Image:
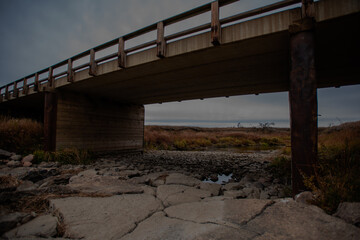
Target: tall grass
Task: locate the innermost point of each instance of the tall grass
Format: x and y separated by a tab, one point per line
20	135
191	138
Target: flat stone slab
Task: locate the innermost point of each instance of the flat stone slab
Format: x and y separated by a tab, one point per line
232	213
104	218
287	219
181	179
89	182
177	194
42	226
161	227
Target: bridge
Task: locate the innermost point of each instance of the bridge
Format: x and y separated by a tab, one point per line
98	103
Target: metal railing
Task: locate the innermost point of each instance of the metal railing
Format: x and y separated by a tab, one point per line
13	89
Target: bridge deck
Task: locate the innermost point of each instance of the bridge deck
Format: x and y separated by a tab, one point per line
253	58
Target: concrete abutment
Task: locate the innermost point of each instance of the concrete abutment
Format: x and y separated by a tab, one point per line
95	124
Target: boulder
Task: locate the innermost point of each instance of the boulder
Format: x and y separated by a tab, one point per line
16	157
11	220
304	197
213	188
42	226
26	186
104	218
14	164
5	154
350	212
28	158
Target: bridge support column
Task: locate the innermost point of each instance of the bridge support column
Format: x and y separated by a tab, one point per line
303	103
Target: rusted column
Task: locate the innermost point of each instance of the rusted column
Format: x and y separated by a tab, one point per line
50	112
303	102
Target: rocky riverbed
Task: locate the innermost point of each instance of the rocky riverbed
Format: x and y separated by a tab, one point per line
158	195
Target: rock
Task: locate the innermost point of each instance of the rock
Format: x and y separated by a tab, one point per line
235	194
214	177
36	174
104	218
181	179
264	195
5	154
287	219
16	157
213	188
161	227
43	226
28	158
304	197
27	164
10	221
177	194
26	186
232	186
14	164
91	183
8	183
232	213
350	212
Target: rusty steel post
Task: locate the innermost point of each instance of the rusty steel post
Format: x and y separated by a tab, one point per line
303	102
50	112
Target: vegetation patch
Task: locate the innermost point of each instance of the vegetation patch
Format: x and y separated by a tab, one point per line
66	156
22	136
336	177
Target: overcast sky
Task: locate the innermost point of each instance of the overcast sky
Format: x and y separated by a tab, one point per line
38	33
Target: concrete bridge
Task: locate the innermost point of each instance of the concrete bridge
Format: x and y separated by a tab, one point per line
99	105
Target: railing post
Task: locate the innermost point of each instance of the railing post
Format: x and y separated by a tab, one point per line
50	78
70	72
36	82
121	53
160	42
25	87
92	69
15	90
215	24
7	95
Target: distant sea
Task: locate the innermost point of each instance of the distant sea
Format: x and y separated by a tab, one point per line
246	123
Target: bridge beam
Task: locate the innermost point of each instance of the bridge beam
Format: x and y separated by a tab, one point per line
303	102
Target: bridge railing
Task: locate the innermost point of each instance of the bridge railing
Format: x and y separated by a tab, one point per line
46	77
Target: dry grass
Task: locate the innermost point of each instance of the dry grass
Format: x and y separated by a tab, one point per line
20	135
193	138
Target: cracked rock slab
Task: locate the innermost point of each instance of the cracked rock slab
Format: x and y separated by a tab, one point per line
177	194
91	183
290	220
181	179
104	218
161	227
43	226
233	213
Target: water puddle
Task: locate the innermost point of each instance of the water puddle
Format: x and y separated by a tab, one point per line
222	179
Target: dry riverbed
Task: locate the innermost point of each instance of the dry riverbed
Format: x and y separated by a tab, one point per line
158	195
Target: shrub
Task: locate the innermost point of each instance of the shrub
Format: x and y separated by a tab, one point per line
336	177
22	136
65	156
280	168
